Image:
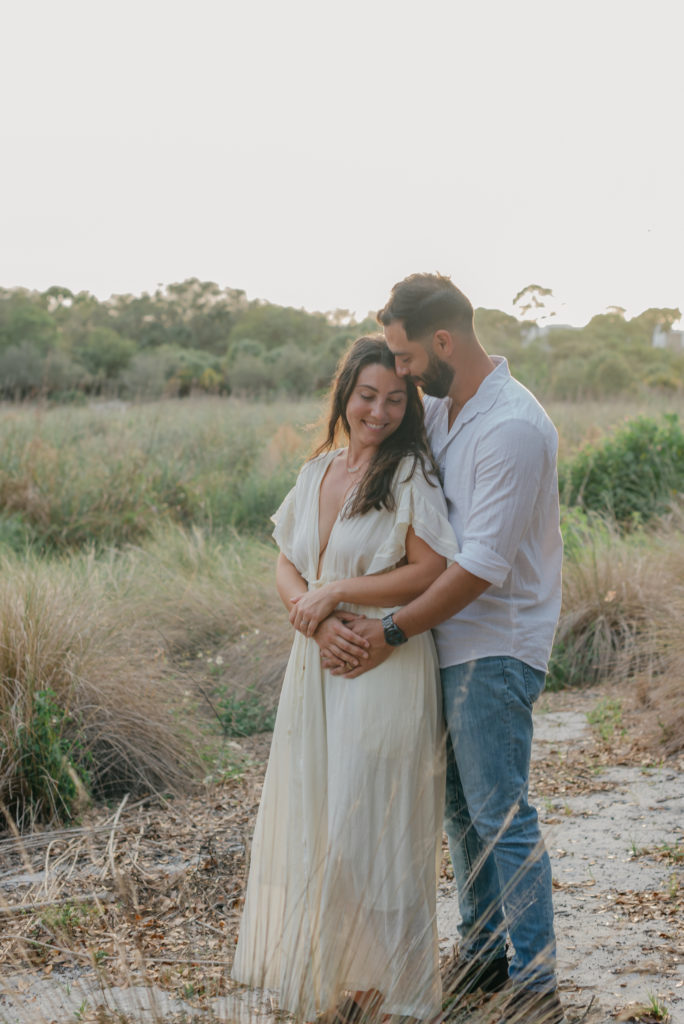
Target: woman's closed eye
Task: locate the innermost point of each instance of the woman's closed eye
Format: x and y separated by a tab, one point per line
391	401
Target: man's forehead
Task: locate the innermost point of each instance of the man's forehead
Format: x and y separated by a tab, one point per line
396	333
397	341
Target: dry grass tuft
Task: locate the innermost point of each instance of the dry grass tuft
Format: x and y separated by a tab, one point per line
81	708
659	701
622	603
621	623
100	665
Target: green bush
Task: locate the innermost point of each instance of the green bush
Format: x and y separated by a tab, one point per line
54	764
244	716
632	476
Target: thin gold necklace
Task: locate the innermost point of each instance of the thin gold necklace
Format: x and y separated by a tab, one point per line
356	468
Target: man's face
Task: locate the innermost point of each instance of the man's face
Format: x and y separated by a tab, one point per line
418	361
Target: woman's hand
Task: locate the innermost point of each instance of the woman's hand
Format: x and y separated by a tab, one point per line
341	647
309	610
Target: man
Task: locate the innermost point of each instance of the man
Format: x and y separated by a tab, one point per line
494	612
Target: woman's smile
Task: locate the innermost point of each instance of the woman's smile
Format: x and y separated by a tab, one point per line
376	406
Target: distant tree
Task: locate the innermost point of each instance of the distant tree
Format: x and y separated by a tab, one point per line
646	323
275	326
498	331
250	375
103	352
532	299
294	369
61	374
21	371
199	314
609	373
57	299
22	321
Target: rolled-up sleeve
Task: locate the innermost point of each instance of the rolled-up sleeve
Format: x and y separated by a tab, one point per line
510	464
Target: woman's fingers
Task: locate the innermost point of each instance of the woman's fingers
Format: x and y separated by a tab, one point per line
351	642
333	659
302	622
344	656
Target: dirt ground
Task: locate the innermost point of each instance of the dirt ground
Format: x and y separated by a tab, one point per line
134	915
615	836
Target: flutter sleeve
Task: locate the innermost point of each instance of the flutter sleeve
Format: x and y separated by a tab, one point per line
422	506
294	520
284	520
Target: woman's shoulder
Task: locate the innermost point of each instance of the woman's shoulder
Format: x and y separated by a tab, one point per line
417	469
315	466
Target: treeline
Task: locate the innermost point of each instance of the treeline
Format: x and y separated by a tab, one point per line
609	356
197	337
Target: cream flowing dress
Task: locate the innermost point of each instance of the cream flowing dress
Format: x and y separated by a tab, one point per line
342	884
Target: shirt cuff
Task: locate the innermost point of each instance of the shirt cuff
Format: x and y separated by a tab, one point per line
484	562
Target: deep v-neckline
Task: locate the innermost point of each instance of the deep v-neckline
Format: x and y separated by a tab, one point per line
320	550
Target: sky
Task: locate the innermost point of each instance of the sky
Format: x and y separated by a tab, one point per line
314	152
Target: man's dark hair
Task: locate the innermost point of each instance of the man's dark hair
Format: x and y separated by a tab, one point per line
425	303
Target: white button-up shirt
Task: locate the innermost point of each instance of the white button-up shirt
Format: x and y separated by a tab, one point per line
498	465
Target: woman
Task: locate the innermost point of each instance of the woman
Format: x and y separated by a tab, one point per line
341	891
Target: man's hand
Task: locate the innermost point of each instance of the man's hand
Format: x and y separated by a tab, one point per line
377	651
341	646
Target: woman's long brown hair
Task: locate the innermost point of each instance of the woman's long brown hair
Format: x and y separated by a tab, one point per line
375	487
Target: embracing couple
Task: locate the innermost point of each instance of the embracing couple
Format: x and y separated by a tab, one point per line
439	516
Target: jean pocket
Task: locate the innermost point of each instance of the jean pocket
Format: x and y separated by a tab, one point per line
534	682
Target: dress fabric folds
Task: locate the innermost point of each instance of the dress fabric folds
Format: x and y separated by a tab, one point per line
342	885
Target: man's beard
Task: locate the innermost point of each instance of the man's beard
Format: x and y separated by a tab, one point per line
436	378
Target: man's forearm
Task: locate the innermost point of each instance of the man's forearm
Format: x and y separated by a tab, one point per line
449	594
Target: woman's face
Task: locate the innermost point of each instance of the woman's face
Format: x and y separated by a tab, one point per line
376	405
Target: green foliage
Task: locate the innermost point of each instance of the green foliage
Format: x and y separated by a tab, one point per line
55	342
104	352
632	476
255	498
273	326
244	716
65	919
656	1009
53	769
21	370
673	852
606	718
73	478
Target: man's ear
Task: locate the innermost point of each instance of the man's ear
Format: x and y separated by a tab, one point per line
443	343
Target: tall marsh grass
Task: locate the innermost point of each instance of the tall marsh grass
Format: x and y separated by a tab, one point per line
83	708
623	601
107	475
93	665
126	560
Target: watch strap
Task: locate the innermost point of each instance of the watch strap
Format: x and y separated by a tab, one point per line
394	635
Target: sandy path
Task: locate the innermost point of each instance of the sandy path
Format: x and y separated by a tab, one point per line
618	893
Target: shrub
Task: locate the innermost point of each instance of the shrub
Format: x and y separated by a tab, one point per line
243	716
52	766
621	601
632	476
84	705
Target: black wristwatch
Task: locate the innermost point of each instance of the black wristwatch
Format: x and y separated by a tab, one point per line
393	634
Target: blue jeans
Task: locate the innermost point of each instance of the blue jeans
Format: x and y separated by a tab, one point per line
500	863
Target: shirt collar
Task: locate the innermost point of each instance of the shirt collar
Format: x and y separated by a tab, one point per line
485	395
483	399
488	391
